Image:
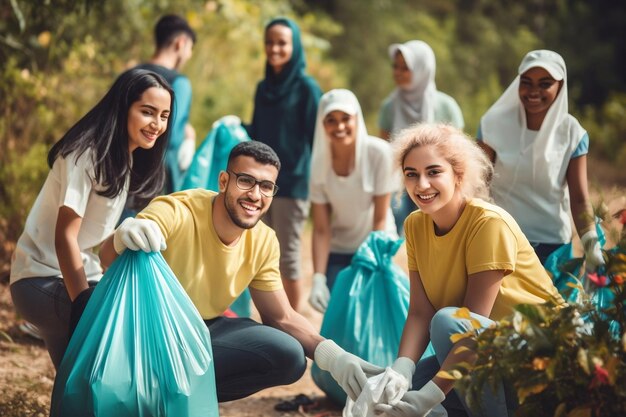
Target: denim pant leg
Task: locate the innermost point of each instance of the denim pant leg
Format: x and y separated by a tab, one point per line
44	302
442	326
249	357
336	262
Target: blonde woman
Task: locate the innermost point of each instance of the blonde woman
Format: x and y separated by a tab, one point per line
462	252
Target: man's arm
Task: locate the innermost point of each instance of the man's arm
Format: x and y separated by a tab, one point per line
275	311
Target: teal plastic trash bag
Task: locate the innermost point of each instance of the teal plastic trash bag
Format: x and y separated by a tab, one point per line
211	157
242	306
563	278
140	349
367	309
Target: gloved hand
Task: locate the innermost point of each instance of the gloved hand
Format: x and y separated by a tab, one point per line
78	307
185	153
405	367
230	120
319	293
136	234
414	403
350	371
593	253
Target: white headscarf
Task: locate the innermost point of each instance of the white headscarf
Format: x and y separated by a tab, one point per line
506	118
321	160
534	191
416	102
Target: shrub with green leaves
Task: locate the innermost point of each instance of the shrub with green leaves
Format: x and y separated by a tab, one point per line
568	361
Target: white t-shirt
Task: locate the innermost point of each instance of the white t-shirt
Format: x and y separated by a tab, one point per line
72	185
536	194
352	208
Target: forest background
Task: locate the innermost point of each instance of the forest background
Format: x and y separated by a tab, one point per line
58	57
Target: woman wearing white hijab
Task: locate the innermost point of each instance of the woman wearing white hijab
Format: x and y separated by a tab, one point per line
351	185
539	153
414	100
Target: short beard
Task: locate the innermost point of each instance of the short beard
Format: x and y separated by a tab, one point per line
233	217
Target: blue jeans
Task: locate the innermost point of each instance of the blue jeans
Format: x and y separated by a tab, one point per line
44	302
442	326
250	356
336	262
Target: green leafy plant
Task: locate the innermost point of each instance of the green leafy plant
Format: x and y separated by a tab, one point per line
561	362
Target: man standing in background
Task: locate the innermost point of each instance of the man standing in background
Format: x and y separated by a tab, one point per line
174	40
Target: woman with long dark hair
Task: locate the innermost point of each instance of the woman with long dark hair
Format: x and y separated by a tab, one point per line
116	149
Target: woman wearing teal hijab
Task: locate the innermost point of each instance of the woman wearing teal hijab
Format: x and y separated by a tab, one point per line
285	107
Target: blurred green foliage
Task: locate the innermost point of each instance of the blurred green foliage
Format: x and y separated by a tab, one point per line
58	57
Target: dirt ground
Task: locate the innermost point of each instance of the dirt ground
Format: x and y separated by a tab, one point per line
27	374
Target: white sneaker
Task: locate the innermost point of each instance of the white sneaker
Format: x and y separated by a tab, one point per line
30	330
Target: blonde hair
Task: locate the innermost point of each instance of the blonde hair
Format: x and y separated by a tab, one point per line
469	163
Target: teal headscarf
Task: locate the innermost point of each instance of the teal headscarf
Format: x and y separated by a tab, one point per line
275	86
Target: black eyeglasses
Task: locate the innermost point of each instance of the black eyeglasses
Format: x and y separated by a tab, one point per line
247	182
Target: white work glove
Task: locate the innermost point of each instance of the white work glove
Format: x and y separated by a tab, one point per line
350	371
593	253
415	403
136	234
185	153
319	293
405	367
231	120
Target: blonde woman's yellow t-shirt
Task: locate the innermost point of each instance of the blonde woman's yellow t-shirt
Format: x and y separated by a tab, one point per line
212	274
484	238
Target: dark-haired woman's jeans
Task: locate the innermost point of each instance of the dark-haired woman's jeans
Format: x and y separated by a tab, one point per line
45	303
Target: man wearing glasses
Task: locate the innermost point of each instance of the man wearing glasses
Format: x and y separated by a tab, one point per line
217	248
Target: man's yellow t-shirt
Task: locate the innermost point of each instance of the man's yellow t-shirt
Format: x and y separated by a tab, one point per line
212	274
484	238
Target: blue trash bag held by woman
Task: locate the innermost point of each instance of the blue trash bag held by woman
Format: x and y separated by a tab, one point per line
211	157
367	308
140	349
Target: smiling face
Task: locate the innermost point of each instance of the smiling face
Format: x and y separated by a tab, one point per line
340	127
431	183
537	91
278	46
401	71
147	118
246	207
